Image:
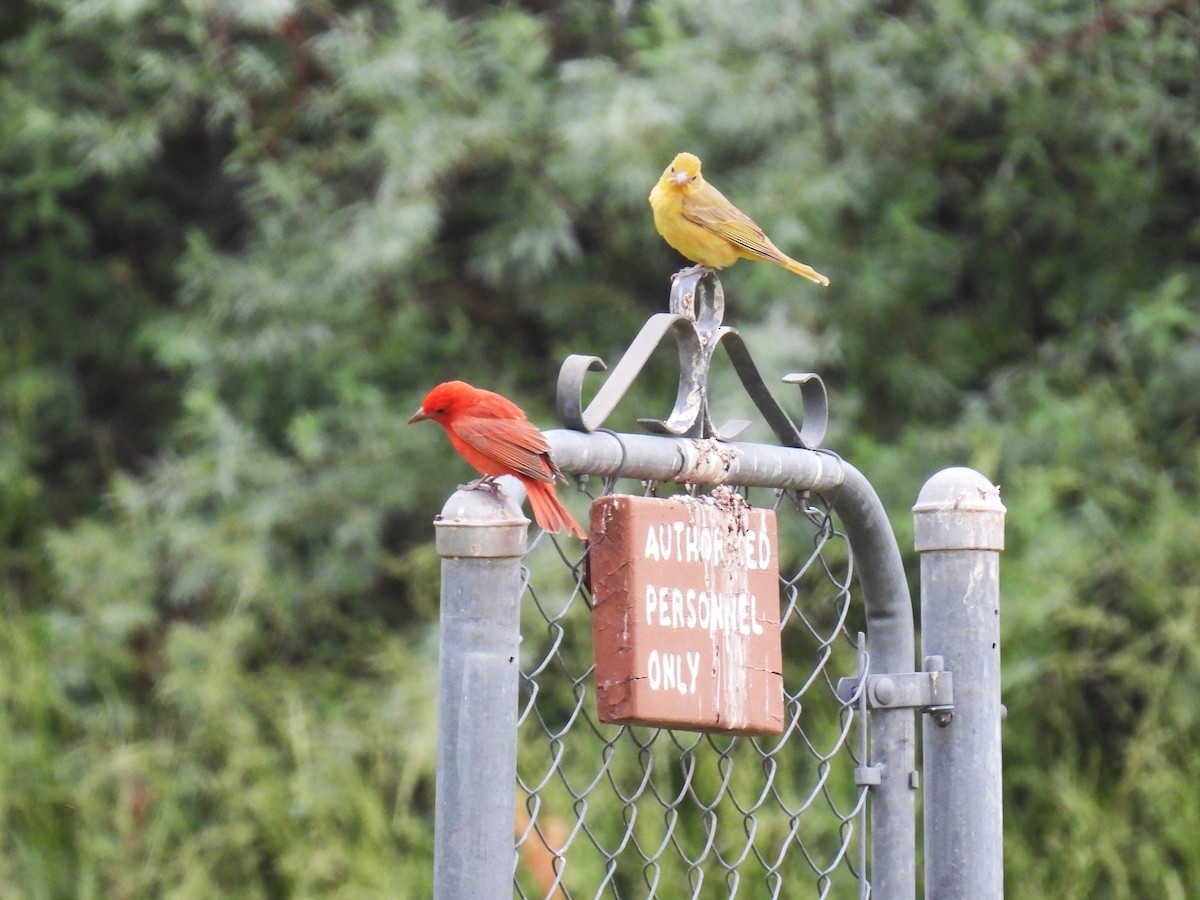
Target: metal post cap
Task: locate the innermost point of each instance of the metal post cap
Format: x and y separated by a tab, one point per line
958	509
483	522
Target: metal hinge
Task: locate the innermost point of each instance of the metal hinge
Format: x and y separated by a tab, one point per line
931	691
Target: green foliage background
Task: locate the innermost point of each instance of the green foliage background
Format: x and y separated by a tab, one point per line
239	241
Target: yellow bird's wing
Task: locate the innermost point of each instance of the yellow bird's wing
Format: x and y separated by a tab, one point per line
709	209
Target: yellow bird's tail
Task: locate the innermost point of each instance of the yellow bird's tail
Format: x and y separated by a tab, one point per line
799	268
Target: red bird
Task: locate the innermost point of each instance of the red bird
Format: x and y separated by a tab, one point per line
492	434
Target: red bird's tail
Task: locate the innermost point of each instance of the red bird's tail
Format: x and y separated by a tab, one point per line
548	510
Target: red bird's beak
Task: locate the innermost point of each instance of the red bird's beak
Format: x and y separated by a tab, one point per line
419	416
681	178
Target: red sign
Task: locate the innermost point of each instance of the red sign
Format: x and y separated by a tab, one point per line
685	613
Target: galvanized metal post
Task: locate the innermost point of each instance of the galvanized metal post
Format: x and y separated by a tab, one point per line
481	538
959	533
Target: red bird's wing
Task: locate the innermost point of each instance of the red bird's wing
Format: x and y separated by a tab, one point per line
515	444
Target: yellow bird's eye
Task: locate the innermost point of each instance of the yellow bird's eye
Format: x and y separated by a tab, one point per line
693	178
672	170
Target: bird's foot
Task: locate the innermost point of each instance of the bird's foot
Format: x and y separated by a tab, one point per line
692	270
485	483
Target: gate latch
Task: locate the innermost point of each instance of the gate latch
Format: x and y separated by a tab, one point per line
931	691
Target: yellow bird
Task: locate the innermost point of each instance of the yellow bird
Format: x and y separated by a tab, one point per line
696	219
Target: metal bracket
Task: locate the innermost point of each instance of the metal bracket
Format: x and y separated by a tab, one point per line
868	776
697	308
931	691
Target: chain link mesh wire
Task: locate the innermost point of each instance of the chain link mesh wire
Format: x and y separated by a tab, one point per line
607	810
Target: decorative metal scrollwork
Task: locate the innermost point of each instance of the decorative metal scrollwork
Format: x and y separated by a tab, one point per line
697	309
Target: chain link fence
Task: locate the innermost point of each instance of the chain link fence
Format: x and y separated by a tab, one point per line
607	810
625	811
611	811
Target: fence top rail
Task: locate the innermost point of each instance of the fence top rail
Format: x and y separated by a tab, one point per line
695	461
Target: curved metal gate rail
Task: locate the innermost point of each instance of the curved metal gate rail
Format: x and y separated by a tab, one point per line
630	812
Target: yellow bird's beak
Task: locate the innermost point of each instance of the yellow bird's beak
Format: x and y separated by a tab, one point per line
681	178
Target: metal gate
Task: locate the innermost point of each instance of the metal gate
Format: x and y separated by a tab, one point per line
825	809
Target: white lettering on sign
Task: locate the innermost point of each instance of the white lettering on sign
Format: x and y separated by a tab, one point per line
714	613
673	671
691	543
